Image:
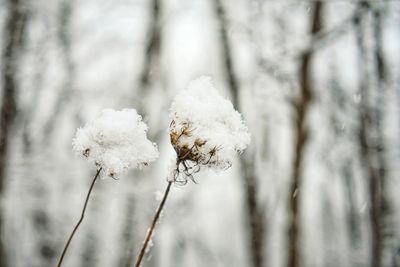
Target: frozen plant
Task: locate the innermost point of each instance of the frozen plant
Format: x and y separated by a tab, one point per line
114	142
205	132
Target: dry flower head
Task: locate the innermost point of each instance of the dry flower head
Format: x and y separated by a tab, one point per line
205	130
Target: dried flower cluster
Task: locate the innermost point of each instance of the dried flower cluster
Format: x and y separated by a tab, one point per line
205	130
115	142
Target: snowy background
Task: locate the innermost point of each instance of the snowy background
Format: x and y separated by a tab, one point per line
318	84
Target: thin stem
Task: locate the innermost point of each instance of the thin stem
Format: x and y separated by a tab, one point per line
80	220
153	226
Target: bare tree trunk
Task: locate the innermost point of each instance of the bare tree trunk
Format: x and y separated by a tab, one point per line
153	45
377	169
387	227
13	36
151	69
150	72
256	220
65	11
151	64
45	244
340	108
27	115
254	210
301	132
372	142
371	138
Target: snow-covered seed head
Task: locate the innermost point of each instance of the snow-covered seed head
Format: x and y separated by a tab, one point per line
115	142
205	130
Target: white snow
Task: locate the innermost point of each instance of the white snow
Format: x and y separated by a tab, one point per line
116	141
205	128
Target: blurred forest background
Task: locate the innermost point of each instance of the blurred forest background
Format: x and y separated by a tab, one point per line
318	84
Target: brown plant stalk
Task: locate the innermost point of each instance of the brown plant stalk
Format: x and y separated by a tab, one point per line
80	220
185	155
153	226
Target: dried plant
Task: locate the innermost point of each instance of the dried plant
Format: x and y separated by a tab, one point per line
205	132
114	142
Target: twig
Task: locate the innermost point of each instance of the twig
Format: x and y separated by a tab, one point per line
153	226
80	220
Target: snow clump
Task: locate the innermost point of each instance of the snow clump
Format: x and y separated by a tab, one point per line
205	129
115	142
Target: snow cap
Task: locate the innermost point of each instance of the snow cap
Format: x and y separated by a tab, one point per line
205	128
115	142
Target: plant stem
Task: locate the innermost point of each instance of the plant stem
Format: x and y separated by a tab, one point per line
80	220
153	226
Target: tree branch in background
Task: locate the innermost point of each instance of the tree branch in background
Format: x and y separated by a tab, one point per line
151	64
152	47
151	72
382	73
27	115
301	135
151	61
256	219
226	52
329	36
152	53
12	40
372	144
343	105
320	40
64	96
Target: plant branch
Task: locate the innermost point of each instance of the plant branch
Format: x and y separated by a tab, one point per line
153	226
80	220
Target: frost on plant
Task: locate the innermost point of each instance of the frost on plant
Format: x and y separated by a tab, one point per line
116	141
205	130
